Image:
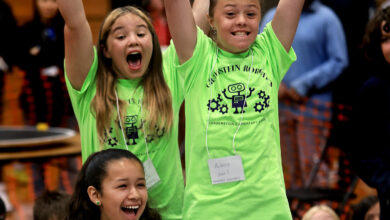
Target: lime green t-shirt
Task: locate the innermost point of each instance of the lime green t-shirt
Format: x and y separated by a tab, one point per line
162	145
233	98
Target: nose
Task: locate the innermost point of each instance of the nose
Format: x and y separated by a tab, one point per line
133	40
241	19
133	194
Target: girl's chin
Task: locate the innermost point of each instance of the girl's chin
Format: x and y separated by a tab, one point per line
132	75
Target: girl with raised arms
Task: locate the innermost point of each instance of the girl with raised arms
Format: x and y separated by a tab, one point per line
233	161
124	97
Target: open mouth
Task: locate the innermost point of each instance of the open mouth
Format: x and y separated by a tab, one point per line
240	33
134	60
132	210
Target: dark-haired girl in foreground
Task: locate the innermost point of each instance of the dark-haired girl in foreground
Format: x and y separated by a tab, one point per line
111	186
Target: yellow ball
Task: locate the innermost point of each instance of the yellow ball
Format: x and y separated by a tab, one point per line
42	126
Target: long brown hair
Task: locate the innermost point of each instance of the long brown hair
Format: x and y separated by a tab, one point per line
157	97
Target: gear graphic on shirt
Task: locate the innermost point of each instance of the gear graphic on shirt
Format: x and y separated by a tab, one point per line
224	109
212	103
219	98
259	107
106	135
262	94
149	138
266	101
113	141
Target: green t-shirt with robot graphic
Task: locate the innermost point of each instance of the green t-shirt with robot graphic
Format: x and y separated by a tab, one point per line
161	145
232	109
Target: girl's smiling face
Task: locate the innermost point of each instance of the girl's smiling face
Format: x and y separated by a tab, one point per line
130	46
237	24
124	194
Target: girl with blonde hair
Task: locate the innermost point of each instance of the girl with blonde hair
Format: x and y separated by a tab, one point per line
320	212
124	97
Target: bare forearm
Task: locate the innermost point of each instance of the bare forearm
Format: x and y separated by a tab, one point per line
286	19
200	10
78	41
72	11
182	27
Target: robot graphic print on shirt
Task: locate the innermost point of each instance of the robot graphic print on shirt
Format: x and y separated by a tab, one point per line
131	129
131	132
239	100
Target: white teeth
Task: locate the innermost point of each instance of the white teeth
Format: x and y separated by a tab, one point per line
132	207
132	53
240	33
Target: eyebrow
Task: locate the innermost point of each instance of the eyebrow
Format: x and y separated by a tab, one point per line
125	179
142	26
234	5
117	29
122	27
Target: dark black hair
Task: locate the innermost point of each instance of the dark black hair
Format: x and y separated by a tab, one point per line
372	39
360	209
51	205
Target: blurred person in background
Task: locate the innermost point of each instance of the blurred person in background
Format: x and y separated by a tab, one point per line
304	94
369	151
7	43
51	205
320	212
366	209
44	98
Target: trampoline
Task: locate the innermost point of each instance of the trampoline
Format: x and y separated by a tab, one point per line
30	136
29	142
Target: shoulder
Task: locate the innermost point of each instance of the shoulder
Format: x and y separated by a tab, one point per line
375	82
374	86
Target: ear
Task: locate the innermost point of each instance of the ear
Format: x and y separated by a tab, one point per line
94	195
210	19
105	52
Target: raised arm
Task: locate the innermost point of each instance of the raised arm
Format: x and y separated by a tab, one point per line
182	27
200	9
78	41
285	21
